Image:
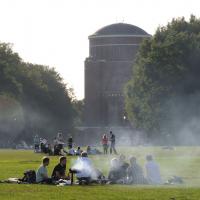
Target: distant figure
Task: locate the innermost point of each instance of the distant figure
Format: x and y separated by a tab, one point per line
60	138
88	150
60	142
43	145
36	141
70	142
59	171
49	149
112	143
152	171
78	151
55	147
135	173
104	142
42	174
71	152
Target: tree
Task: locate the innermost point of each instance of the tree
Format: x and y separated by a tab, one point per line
165	79
47	103
9	64
79	106
39	101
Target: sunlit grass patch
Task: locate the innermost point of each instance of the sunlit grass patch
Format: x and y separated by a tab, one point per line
183	161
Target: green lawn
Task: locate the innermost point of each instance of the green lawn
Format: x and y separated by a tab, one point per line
183	161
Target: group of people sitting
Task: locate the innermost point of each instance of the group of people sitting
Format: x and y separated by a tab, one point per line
120	172
132	173
59	171
41	145
83	168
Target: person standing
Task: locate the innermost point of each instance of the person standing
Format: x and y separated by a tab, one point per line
104	142
36	141
112	143
70	142
60	142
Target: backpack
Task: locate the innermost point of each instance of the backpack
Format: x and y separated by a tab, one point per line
29	176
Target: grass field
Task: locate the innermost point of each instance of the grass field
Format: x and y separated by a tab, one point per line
183	161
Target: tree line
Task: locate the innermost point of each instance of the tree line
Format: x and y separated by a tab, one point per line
163	96
33	100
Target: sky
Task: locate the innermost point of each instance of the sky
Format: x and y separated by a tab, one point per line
55	32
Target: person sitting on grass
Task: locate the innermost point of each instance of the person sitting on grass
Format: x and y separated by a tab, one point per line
42	174
85	171
59	171
88	150
71	152
135	173
152	171
123	165
115	176
84	168
78	151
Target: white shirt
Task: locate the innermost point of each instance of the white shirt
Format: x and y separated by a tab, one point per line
41	173
153	172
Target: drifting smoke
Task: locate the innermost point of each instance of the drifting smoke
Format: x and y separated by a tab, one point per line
181	125
84	168
22	122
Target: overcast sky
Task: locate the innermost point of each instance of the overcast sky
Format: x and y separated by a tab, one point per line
55	32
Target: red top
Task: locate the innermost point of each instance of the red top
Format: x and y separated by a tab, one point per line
104	140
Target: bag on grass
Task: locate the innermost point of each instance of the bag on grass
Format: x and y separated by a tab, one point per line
29	176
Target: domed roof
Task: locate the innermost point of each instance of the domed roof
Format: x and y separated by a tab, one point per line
120	29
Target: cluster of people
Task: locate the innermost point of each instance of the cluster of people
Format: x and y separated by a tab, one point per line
58	145
132	173
120	171
57	148
41	145
83	168
105	143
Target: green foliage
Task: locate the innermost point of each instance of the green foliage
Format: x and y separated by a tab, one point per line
165	76
9	64
79	106
45	103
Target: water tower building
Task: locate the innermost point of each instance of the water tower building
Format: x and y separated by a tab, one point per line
112	51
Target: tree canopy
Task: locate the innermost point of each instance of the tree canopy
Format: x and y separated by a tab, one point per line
164	92
33	99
